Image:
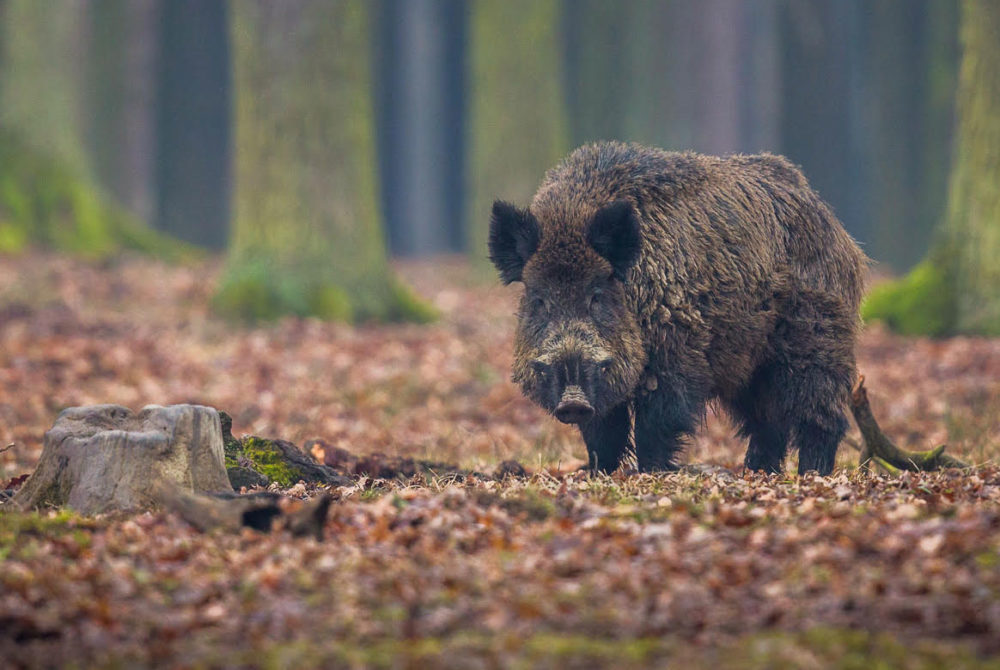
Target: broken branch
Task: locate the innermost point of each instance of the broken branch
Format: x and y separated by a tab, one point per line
879	449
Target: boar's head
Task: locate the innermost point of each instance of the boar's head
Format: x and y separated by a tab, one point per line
578	352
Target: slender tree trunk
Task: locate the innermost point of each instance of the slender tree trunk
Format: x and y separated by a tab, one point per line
956	289
517	124
911	136
650	88
816	83
306	234
419	50
760	77
193	122
718	108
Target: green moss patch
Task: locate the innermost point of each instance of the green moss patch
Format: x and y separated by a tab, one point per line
256	291
846	649
45	203
405	305
921	303
263	456
16	526
269	460
277	461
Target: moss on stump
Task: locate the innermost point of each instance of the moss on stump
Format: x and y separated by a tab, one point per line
275	461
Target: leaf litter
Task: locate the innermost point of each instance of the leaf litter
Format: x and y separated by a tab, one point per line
426	559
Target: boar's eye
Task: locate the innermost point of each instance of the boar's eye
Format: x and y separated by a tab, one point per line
537	306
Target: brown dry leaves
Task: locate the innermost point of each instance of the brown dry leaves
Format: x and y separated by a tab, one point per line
692	558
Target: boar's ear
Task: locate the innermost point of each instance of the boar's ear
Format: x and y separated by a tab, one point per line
514	238
614	234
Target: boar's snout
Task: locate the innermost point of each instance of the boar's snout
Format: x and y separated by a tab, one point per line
569	384
573	407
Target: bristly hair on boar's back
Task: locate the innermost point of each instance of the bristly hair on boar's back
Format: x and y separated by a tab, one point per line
655	282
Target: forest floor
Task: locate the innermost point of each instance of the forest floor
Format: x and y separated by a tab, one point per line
556	568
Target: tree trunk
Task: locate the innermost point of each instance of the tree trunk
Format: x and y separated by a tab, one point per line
121	101
760	77
193	122
956	289
597	73
700	76
517	114
910	140
42	88
50	195
306	235
419	50
651	90
817	72
974	204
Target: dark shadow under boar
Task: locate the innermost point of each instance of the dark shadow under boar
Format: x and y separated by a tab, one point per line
656	282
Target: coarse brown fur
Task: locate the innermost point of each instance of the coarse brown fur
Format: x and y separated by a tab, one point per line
739	285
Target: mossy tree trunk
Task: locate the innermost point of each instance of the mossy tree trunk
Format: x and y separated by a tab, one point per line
42	88
48	185
517	115
306	236
956	289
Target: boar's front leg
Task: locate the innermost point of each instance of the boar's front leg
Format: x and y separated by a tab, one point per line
606	438
662	419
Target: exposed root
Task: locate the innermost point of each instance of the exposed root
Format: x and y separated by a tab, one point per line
260	511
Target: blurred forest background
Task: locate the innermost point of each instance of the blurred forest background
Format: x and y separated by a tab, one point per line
314	139
163	162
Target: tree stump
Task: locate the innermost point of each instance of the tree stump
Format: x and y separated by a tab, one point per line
103	458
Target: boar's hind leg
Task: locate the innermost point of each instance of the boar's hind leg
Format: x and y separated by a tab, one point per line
606	438
816	356
818	442
798	400
662	420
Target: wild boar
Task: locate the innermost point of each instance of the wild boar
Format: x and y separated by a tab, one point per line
657	282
